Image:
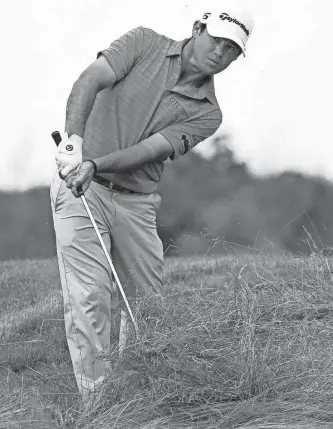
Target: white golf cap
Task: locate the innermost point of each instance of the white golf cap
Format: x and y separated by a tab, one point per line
230	21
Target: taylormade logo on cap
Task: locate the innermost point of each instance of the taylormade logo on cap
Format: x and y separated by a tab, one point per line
224	16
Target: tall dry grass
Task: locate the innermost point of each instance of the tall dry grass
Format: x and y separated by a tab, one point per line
234	342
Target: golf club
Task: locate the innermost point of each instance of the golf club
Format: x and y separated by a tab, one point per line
57	139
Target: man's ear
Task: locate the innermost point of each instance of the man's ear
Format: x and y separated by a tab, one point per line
196	31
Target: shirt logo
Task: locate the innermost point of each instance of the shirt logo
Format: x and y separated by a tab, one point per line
69	147
186	143
178	106
196	139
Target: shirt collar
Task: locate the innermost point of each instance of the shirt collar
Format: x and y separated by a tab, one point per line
207	89
176	47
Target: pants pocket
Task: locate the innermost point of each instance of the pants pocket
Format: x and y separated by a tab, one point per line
54	189
142	205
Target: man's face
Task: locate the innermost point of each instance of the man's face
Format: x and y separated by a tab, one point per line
213	54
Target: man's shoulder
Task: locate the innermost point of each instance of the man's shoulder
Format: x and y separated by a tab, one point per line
153	33
153	36
211	95
214	101
215	113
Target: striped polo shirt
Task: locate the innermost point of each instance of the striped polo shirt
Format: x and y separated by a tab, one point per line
143	102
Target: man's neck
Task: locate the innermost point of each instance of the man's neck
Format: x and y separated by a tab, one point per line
189	73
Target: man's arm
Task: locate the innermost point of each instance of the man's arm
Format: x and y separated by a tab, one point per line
96	77
154	148
112	65
171	142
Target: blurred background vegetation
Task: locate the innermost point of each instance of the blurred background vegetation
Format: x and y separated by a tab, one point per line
209	206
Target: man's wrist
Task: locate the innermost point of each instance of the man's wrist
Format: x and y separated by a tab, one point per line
93	163
105	163
76	138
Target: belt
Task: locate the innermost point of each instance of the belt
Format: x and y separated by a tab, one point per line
110	185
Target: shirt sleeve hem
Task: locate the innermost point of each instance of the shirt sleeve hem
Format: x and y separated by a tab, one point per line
113	64
165	133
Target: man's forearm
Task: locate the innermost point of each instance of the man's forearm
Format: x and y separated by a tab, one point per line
80	104
154	148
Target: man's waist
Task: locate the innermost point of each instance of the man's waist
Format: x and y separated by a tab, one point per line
114	186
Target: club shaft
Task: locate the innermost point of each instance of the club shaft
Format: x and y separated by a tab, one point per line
109	261
57	139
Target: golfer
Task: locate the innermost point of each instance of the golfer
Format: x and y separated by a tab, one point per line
146	98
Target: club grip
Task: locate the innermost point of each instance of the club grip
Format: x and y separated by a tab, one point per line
57	139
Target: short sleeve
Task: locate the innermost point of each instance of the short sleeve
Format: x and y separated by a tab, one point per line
125	52
184	136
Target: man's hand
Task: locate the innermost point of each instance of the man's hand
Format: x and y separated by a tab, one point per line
81	176
69	155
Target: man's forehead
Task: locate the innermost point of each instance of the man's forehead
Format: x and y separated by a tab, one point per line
226	40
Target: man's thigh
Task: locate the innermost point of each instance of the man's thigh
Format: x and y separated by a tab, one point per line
76	238
137	251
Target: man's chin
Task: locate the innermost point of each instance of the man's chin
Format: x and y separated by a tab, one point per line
211	71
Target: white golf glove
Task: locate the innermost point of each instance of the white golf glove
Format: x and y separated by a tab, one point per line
69	154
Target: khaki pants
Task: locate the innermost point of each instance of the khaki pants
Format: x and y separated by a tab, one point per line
127	223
